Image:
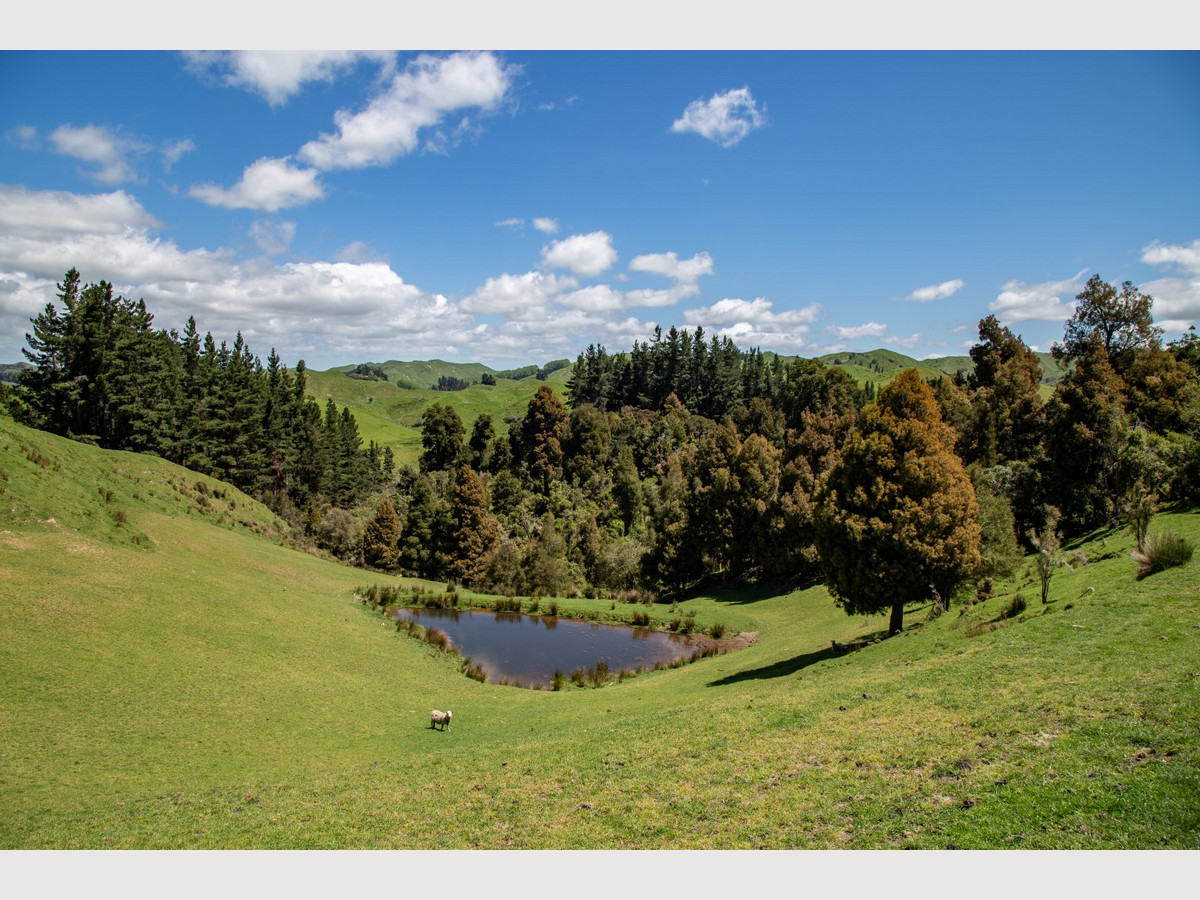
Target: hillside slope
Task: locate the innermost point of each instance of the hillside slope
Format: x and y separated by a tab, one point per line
175	678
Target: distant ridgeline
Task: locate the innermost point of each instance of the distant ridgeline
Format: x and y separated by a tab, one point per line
455	383
100	373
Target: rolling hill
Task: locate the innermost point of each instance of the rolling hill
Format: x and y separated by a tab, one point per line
175	676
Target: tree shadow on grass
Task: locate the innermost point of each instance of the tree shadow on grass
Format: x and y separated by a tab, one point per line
738	593
776	670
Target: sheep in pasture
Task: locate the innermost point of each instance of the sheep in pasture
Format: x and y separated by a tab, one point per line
437	717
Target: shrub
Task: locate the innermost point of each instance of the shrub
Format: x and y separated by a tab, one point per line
578	677
1162	551
435	637
552	608
559	680
641	618
473	670
718	630
1014	608
598	674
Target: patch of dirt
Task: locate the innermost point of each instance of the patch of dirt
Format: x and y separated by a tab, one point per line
737	642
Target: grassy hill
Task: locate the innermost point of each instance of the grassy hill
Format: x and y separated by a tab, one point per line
175	677
389	412
881	366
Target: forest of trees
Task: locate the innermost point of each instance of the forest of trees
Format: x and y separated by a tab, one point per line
101	373
684	459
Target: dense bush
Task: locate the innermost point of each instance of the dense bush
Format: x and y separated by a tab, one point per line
1162	551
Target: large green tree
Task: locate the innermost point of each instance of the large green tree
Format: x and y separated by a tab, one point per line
895	517
1120	319
474	530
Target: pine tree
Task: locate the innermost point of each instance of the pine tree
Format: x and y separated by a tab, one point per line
381	536
474	530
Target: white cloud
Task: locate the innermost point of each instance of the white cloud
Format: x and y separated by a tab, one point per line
173	151
277	75
759	311
110	152
1176	300
584	254
418	98
347	310
1185	257
724	118
906	342
936	291
668	264
54	214
508	294
511	222
597	298
546	226
24	136
268	184
1043	302
854	332
273	237
753	323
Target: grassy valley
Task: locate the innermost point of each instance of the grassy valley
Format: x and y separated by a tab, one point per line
177	676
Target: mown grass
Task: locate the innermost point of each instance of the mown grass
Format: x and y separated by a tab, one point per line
207	687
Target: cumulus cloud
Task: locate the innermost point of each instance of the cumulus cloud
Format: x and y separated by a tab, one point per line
596	298
685	273
584	254
277	75
1176	300
754	323
507	294
268	185
936	291
1042	302
723	118
1185	257
26	214
351	310
668	264
418	98
111	153
546	226
273	237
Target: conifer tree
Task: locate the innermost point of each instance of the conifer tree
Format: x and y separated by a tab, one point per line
474	530
381	536
896	515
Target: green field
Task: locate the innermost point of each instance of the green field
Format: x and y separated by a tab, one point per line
176	676
390	413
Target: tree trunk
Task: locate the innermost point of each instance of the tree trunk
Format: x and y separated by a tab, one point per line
897	623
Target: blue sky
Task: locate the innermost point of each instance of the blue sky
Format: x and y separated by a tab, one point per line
513	207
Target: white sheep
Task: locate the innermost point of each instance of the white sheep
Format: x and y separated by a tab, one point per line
437	717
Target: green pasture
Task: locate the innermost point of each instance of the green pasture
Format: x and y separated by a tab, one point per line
175	676
390	415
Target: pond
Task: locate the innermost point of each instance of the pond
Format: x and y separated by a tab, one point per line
528	649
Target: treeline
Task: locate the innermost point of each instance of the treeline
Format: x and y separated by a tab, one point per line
688	458
685	458
102	373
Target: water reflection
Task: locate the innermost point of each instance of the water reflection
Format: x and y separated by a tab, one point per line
529	648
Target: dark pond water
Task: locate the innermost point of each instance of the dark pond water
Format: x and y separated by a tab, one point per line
529	649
